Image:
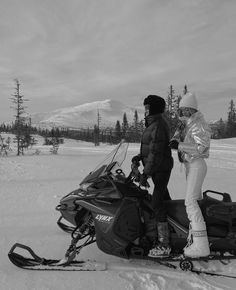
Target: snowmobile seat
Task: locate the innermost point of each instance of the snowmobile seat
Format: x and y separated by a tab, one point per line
224	211
216	226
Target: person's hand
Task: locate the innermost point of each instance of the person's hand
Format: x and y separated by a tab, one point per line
143	180
135	159
174	144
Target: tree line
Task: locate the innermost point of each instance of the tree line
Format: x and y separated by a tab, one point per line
225	128
128	130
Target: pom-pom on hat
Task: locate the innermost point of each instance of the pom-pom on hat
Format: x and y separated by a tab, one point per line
189	100
156	104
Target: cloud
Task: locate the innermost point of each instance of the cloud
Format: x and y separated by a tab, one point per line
70	52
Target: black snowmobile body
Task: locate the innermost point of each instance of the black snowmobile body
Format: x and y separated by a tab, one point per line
118	211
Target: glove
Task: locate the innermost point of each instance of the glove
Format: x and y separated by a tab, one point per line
143	180
135	159
174	144
181	156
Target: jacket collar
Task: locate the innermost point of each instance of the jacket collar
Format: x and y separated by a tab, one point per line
152	118
195	117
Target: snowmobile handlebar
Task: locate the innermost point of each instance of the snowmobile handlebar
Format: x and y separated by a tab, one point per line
135	174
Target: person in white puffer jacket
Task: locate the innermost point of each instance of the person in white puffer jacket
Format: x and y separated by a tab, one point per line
192	140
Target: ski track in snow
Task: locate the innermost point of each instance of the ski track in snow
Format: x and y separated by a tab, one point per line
147	276
148	281
31	187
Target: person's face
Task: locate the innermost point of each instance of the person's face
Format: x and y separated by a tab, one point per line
185	112
146	110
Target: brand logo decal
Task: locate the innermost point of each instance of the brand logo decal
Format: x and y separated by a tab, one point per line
103	218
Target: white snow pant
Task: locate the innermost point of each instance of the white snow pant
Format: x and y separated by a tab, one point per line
195	173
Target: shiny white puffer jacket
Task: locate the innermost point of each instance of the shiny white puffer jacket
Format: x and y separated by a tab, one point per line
196	137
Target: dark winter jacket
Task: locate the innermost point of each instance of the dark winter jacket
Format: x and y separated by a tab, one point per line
155	153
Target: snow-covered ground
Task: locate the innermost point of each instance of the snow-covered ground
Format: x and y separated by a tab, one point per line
31	187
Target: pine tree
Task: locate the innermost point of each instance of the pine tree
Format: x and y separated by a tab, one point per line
136	128
231	123
3	147
172	104
55	146
232	112
135	119
96	135
97	129
170	101
18	101
125	126
185	91
118	133
221	129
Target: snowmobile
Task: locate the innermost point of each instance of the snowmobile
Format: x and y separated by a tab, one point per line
112	209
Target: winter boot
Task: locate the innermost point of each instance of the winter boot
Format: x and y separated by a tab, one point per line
199	246
151	229
161	248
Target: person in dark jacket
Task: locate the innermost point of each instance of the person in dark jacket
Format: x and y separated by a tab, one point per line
156	157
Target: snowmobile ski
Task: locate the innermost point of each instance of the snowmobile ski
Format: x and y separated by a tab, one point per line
37	263
187	264
41	264
217	274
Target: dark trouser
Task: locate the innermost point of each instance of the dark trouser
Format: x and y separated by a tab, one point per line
160	194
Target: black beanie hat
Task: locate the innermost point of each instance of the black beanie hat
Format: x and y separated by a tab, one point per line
157	104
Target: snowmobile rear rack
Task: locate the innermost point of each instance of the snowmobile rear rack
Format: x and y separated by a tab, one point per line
225	196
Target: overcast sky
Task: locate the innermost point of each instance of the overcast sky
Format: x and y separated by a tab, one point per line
66	53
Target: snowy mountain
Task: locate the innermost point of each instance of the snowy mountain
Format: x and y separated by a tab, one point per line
86	115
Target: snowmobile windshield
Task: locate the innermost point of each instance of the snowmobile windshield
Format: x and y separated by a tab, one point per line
110	164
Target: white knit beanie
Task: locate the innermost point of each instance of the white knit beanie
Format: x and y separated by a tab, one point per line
189	100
